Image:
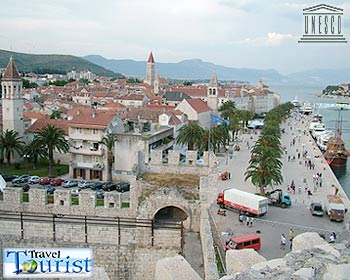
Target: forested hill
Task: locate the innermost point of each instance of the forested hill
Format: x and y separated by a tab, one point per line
53	64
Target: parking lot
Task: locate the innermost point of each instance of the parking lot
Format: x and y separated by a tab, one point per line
75	186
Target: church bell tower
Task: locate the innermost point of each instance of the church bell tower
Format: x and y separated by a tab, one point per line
12	100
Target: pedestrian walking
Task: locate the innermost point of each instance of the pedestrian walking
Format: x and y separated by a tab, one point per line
291	236
283	242
299	189
251	222
248	221
241	219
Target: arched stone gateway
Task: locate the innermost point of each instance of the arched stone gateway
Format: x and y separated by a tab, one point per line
172	213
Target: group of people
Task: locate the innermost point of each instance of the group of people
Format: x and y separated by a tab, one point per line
284	240
245	219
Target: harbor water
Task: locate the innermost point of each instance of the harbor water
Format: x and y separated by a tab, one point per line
329	110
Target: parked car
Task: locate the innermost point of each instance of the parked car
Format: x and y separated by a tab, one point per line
21	179
316	209
70	183
25	187
85	184
110	187
45	181
8	178
123	187
75	191
99	194
56	182
34	180
97	186
49	189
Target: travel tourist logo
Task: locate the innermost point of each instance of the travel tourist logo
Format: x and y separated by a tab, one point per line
323	24
47	263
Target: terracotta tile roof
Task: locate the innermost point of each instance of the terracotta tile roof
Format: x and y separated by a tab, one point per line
34	115
161	108
144	114
132	96
40	123
198	105
174	120
11	71
28	106
78	109
163	81
115	105
92	118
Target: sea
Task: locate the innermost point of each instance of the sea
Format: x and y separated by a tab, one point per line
329	110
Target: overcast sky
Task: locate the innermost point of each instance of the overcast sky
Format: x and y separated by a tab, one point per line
239	33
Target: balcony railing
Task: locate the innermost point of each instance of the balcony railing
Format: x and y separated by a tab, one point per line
86	151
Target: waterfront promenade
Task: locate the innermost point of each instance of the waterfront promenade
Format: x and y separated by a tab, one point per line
298	216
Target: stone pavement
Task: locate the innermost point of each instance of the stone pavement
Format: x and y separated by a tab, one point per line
298	216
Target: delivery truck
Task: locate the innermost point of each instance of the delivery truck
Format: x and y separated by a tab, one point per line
335	208
249	203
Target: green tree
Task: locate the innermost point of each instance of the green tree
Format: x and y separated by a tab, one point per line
264	168
245	116
216	137
265	163
52	138
109	141
33	151
56	114
10	143
191	135
29	84
187	83
84	81
228	110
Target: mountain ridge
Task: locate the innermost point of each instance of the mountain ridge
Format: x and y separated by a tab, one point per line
52	63
197	69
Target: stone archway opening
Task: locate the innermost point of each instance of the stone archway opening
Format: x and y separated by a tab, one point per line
173	214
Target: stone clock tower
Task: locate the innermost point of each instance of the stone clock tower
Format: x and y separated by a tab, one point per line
12	101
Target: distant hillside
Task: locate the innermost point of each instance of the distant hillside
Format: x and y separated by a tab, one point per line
188	69
196	69
47	63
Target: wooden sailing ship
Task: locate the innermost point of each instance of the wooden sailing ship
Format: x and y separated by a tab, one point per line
336	154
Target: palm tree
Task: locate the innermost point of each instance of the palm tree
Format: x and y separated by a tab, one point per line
245	116
227	109
10	143
33	151
264	168
52	138
109	141
191	135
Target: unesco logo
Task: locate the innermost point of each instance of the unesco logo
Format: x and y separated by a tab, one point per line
323	24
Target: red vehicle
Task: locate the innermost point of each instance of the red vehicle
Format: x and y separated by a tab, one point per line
252	241
56	182
45	181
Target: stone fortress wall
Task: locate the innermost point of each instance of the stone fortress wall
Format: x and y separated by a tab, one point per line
128	247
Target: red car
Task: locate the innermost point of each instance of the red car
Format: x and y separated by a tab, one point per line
45	181
56	182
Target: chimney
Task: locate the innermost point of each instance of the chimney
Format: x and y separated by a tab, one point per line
78	112
93	114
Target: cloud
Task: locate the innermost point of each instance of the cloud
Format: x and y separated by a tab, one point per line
271	39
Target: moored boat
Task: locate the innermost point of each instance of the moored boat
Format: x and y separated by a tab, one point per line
336	154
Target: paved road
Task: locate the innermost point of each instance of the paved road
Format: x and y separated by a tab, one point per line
278	220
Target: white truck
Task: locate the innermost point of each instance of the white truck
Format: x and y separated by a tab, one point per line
254	204
335	208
